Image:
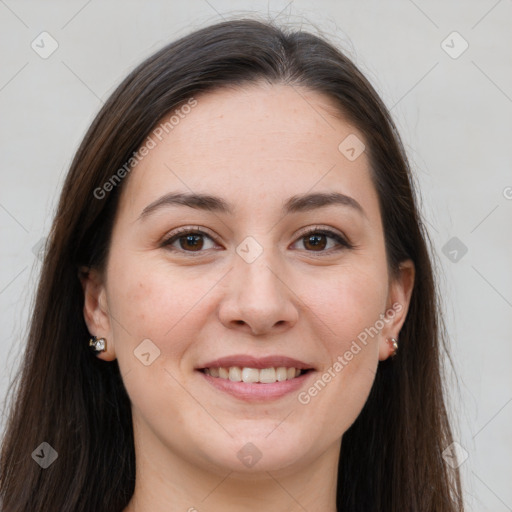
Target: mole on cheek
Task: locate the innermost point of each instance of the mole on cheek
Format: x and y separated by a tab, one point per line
137	295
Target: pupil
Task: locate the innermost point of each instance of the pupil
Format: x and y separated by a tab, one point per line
192	241
317	241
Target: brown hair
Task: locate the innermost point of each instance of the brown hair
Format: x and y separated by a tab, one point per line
391	455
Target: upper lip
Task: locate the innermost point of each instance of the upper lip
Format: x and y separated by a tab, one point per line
246	361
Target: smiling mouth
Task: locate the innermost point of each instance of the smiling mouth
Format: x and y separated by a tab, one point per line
254	375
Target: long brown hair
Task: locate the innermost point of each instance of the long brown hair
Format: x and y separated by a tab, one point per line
391	456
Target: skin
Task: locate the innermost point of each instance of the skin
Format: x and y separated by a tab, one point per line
255	147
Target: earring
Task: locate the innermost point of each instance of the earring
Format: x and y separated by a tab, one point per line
98	344
394	343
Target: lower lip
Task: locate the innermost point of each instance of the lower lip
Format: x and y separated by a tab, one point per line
255	391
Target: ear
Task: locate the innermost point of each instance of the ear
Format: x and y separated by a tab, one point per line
399	297
96	313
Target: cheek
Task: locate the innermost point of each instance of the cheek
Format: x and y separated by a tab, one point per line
154	314
149	300
348	306
348	302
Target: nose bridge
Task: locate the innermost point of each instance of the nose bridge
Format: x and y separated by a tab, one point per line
258	296
260	277
257	267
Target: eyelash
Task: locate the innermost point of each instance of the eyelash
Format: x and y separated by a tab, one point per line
181	232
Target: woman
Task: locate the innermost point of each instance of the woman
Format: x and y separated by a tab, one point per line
237	308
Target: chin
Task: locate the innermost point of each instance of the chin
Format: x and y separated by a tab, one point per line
258	453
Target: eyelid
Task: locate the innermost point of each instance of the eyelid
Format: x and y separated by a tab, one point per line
319	227
190	229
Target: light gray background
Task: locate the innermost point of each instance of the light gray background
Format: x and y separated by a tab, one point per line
453	113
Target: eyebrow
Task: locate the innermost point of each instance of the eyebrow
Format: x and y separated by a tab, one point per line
297	203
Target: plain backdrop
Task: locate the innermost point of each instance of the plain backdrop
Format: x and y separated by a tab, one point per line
444	70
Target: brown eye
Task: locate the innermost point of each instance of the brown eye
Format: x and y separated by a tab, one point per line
191	242
188	240
322	241
315	242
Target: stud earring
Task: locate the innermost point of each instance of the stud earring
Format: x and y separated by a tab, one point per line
98	344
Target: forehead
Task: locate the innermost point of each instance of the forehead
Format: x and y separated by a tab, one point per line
271	141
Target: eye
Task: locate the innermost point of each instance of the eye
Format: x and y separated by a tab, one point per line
192	240
189	240
322	240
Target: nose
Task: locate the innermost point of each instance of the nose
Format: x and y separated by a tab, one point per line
258	300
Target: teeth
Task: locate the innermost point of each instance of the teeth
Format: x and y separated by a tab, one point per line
250	375
253	375
235	374
268	375
281	373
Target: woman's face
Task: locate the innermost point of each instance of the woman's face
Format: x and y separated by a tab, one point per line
248	244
